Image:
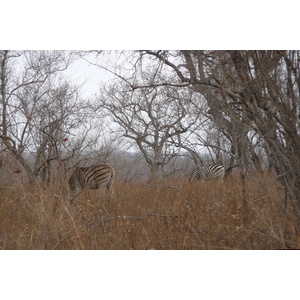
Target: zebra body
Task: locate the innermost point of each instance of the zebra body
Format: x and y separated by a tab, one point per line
93	177
206	172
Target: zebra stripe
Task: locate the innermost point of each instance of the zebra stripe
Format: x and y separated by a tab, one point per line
205	172
93	177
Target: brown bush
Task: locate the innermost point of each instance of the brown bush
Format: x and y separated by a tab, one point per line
166	215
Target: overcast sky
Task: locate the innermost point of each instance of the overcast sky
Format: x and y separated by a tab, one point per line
90	76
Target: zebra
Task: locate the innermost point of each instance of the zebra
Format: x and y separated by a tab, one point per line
205	172
93	177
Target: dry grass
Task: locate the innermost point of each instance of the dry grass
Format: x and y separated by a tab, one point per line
165	215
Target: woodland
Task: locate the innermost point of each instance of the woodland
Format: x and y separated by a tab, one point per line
156	115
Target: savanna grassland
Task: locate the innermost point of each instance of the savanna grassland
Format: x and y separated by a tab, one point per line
166	215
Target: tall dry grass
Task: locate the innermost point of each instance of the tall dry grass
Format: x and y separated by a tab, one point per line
172	214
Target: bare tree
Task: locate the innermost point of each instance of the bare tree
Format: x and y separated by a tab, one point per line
37	107
208	106
152	118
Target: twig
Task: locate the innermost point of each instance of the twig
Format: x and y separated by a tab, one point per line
137	218
174	188
273	237
105	209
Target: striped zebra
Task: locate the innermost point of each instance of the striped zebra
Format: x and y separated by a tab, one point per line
93	177
206	172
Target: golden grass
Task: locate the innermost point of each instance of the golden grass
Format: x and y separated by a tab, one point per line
172	214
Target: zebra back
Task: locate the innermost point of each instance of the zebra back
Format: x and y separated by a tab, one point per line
204	172
93	177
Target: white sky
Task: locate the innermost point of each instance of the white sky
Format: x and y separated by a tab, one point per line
90	76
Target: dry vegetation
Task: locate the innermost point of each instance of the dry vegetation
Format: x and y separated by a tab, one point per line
165	215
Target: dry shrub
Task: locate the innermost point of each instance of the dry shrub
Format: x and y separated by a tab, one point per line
173	214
